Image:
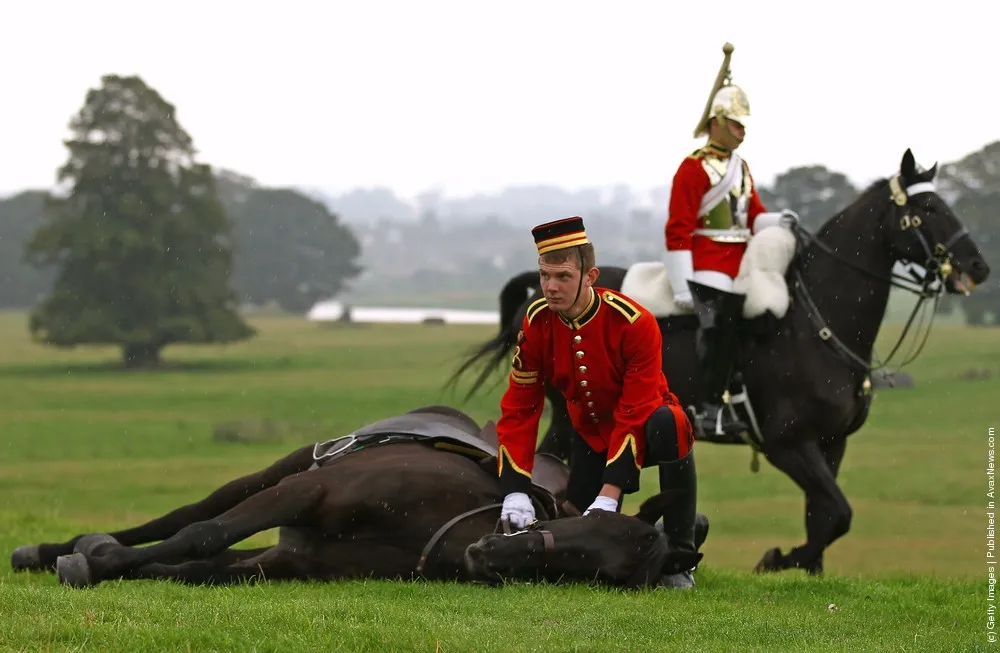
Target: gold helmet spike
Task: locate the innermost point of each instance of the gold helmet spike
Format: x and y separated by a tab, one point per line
721	80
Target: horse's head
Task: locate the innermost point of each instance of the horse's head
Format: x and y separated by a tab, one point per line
924	230
603	546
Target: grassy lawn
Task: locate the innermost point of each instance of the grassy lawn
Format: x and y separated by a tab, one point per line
87	447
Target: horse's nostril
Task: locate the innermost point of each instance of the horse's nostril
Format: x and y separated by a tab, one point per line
475	553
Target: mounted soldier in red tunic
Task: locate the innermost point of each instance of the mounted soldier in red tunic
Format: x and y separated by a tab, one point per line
603	352
714	212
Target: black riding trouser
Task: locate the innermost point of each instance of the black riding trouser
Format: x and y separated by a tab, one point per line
587	467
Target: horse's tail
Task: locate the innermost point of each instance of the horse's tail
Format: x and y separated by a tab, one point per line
513	296
513	300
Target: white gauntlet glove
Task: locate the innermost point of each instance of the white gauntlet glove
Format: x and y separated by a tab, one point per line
787	219
680	268
517	509
602	503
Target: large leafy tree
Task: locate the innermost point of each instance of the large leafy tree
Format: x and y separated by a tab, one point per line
141	243
290	249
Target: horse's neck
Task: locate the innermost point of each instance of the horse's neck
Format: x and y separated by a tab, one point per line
851	302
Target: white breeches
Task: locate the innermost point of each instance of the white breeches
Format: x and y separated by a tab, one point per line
714	279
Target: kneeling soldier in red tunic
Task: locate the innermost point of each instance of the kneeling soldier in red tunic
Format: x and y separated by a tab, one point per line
603	352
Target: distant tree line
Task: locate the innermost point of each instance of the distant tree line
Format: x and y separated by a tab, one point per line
144	246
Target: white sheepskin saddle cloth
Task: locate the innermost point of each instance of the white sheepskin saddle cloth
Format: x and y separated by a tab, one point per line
761	278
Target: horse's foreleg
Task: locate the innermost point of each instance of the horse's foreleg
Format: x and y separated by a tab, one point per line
43	556
286	504
274	563
833	452
828	514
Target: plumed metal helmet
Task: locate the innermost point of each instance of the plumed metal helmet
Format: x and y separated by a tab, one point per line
731	103
726	99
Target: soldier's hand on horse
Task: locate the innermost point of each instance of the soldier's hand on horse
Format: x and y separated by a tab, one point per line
517	510
684	300
788	219
602	503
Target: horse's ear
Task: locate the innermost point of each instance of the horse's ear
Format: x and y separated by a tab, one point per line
932	173
488	433
656	506
489	464
908	166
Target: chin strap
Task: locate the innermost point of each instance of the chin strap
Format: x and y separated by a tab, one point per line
579	285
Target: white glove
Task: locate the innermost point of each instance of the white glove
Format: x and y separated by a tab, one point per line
788	219
684	300
517	509
602	503
680	268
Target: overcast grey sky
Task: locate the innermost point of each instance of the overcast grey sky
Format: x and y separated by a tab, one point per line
472	96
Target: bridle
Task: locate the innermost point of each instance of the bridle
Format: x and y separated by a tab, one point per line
638	578
503	525
937	264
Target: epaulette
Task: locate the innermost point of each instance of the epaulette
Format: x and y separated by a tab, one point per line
535	307
707	151
622	304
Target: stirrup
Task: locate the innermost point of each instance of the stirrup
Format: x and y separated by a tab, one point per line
702	419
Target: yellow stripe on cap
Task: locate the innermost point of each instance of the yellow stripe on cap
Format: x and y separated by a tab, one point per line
562	242
560	234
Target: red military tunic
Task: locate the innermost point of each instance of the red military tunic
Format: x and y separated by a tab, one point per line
608	365
691	183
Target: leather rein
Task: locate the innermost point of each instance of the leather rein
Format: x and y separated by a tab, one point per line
548	539
937	264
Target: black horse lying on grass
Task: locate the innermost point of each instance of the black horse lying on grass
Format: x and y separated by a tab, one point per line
354	507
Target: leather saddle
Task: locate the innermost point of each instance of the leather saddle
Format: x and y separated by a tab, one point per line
448	429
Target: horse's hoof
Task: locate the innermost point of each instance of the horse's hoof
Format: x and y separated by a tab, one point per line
74	570
770	561
26	558
87	545
815	570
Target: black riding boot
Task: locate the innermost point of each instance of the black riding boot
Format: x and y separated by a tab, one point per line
719	315
679	524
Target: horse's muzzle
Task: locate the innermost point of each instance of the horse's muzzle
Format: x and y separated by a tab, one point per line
478	565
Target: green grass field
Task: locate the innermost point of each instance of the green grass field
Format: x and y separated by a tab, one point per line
87	447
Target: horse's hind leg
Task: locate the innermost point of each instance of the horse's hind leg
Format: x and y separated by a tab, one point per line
828	514
43	556
274	563
286	504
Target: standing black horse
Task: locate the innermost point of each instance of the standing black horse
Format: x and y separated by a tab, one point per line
807	375
414	495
